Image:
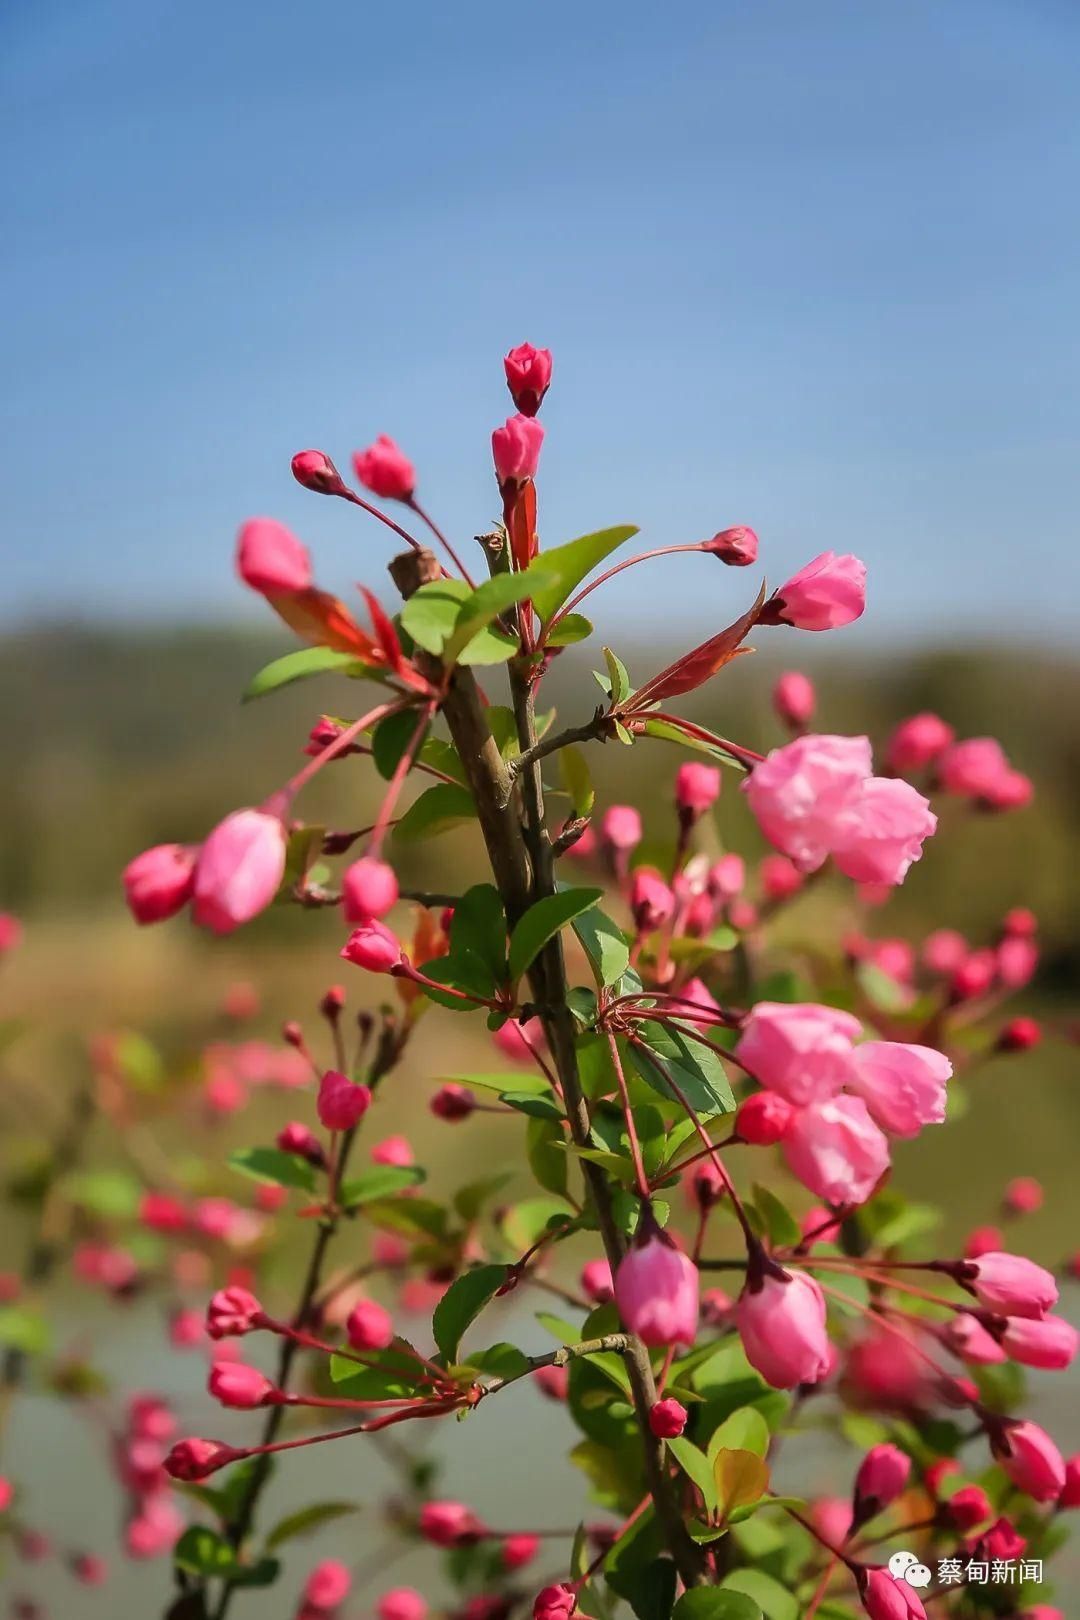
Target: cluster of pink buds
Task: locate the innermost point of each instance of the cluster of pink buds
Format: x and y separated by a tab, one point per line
154	1521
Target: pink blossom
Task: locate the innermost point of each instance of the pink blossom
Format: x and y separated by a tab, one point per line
519	1549
800	1049
763	1118
1017	961
738	546
328	1585
884	1598
831	1516
836	1150
982	1240
401	1603
966	1337
271	559
697	787
794	698
694	1003
916	742
448	1524
656	1290
902	1085
829	592
11	932
1023	1195
155	1529
162	1212
881	833
1010	1284
553	1382
298	1138
186	1329
973	768
516	450
973	976
596	1282
239	870
373	946
369	889
780	878
800	792
233	1311
159	882
315	470
727	877
651	900
621	827
968	1507
1032	1461
197	1459
385	470
782	1326
667	1418
342	1102
394	1150
519	1041
369	1326
554	1603
883	1474
944	950
1050	1342
238	1385
528	376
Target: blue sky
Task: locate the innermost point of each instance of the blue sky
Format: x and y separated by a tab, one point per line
811	265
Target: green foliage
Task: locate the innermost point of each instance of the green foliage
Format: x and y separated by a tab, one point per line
271	1164
566	566
542	922
437	810
462	1303
300	666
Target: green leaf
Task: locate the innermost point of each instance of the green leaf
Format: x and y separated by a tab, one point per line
470	1199
539	1107
668	733
523	1223
305	1519
437	810
393	1374
577	780
486	603
544	1143
618	679
774	1600
695	1463
575	627
390	739
24	1330
714	1603
298	666
431	612
543	921
381	1182
462	1303
744	1430
568	565
263	1573
271	1164
604	943
694	1065
782	1227
110	1193
478	926
202	1551
519	1084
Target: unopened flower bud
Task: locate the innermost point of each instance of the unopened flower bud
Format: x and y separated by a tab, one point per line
738	547
656	1290
651	900
596	1283
917	742
271	559
519	1549
883	1474
620	828
697	788
235	1384
327	1587
1019	1035
516	450
385	470
369	1326
1010	1284
763	1118
232	1312
452	1102
448	1524
825	595
315	470
373	946
1031	1460
191	1460
667	1418
296	1137
341	1102
159	882
401	1603
239	870
369	890
528	376
968	1507
554	1603
794	699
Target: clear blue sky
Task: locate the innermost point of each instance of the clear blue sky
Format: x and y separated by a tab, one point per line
811	265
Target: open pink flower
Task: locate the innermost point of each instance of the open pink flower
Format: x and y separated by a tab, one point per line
782	1327
881	833
903	1085
829	592
800	1049
528	376
800	791
836	1150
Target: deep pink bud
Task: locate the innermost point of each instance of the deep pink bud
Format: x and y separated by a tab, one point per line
232	1312
944	950
697	788
884	1598
11	933
198	1459
1020	922
161	1212
738	547
1017	961
7	1493
369	1326
1070	1493
448	1524
780	878
1019	1035
829	592
328	1585
763	1118
966	1337
916	742
974	976
621	827
794	699
341	1102
656	1290
968	1507
651	900
369	889
159	882
528	376
782	1327
667	1418
1049	1342
902	1085
727	877
553	1382
1023	1195
239	870
554	1603
1010	1284
982	1240
89	1570
271	559
519	1549
401	1603
707	1184
883	1474
395	1150
802	1050
233	1383
373	946
596	1282
1032	1461
973	768
315	470
516	449
384	470
452	1102
296	1137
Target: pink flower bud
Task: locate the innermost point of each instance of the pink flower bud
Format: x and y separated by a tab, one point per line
7	1493
528	376
780	878
271	559
656	1290
341	1102
11	932
186	1329
154	1530
794	699
452	1102
1070	1494
519	1550
235	1384
966	1337
974	976
883	1474
519	1041
831	1517
1010	1285
384	470
315	470
369	890
727	877
800	792
232	1312
395	1150
697	788
1017	962
328	1585
1050	1342
553	1382
944	950
554	1603
373	946
902	1085
982	1240
369	1326
974	768
828	593
89	1570
968	1507
1019	1035
651	900
667	1418
800	1049
738	547
621	827
448	1524
239	870
161	1212
917	742
1023	1195
886	1599
836	1150
516	449
763	1118
1020	922
596	1282
296	1137
782	1327
1031	1460
198	1459
881	834
159	882
401	1603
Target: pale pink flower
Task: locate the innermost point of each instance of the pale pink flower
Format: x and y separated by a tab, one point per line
800	1049
800	792
966	1337
903	1085
881	834
834	1148
829	592
782	1327
621	827
239	870
656	1290
1050	1342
